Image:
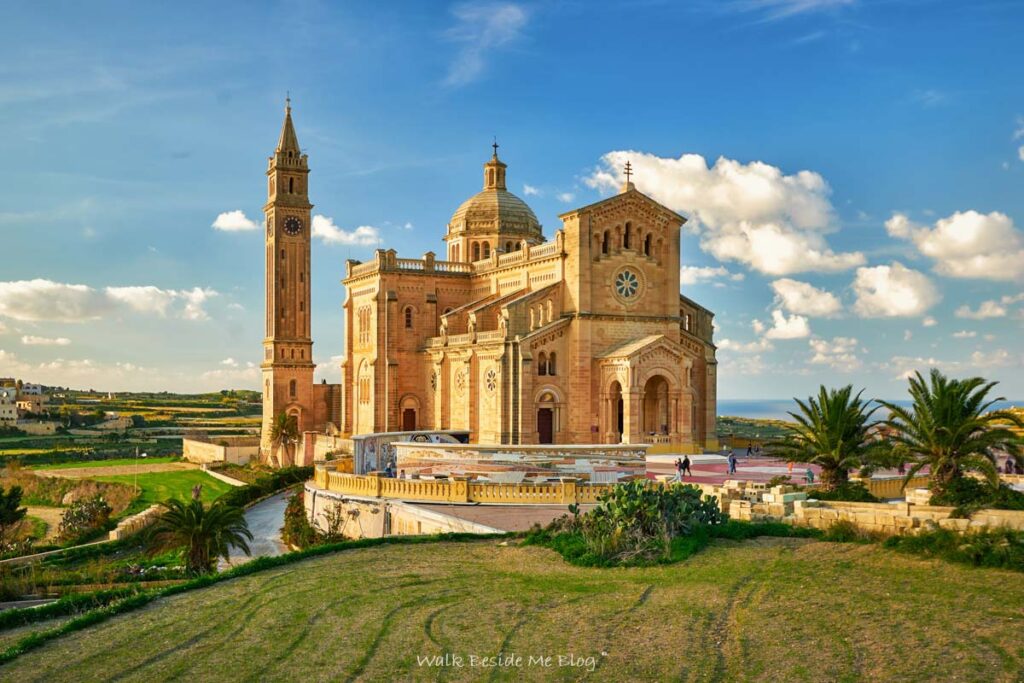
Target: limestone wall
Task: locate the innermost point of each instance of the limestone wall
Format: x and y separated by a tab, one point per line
237	450
370	518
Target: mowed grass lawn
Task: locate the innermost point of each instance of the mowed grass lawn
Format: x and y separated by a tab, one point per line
763	610
112	462
159	486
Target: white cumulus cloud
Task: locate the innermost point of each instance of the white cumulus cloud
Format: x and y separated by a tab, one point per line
234	221
967	244
840	353
965	334
32	340
37	300
751	213
326	230
693	275
783	326
805	299
893	291
990	309
530	190
745	347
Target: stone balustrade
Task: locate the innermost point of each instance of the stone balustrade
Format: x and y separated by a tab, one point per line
458	489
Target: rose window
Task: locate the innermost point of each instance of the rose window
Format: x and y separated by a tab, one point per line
627	284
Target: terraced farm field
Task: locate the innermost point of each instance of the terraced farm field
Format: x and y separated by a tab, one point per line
773	609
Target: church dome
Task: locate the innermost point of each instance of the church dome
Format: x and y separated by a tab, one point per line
494	211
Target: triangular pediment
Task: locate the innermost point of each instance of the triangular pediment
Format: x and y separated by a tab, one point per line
623	201
636	349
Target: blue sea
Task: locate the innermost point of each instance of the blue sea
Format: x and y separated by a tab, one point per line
778	409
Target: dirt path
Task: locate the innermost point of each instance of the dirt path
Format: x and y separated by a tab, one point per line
50	515
83	472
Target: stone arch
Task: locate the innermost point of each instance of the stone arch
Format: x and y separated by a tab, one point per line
409	409
542	364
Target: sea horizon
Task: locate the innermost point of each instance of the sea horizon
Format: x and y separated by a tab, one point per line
778	408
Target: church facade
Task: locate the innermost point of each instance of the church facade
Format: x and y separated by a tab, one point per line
580	338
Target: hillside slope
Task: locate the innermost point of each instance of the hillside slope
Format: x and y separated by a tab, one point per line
762	610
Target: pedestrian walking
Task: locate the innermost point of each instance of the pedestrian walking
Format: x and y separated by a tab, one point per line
732	463
750	450
809	476
679	471
686	465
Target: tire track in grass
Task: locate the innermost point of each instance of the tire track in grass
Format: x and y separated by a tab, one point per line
719	631
240	622
617	619
385	627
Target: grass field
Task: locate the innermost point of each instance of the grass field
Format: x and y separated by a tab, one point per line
773	609
113	462
159	486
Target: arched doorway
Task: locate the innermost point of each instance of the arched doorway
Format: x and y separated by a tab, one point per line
546	418
617	420
656	406
410	412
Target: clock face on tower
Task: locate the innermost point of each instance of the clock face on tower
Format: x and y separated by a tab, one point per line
293	225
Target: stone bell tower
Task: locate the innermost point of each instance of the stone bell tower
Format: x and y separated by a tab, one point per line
288	347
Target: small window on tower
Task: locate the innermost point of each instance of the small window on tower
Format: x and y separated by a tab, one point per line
291	185
302	306
301	277
282	254
408	317
487	249
291	388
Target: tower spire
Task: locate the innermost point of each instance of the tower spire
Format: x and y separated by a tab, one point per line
288	142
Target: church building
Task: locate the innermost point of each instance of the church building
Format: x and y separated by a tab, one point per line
582	337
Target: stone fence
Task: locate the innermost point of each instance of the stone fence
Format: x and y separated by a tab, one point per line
136	523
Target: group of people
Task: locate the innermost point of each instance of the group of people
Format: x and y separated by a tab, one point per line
682	468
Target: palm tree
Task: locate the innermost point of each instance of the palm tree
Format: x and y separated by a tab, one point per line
206	532
952	428
833	432
284	434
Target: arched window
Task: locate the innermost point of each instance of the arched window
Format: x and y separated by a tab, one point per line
626	235
551	364
647	245
291	185
476	251
408	317
542	363
282	254
487	249
291	388
519	245
508	247
604	243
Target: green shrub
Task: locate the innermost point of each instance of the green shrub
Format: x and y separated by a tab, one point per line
853	492
266	485
1001	548
297	531
969	494
635	521
84	518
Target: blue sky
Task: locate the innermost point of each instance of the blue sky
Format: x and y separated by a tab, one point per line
852	170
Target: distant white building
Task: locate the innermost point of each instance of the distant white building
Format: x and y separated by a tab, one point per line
32	389
8	406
